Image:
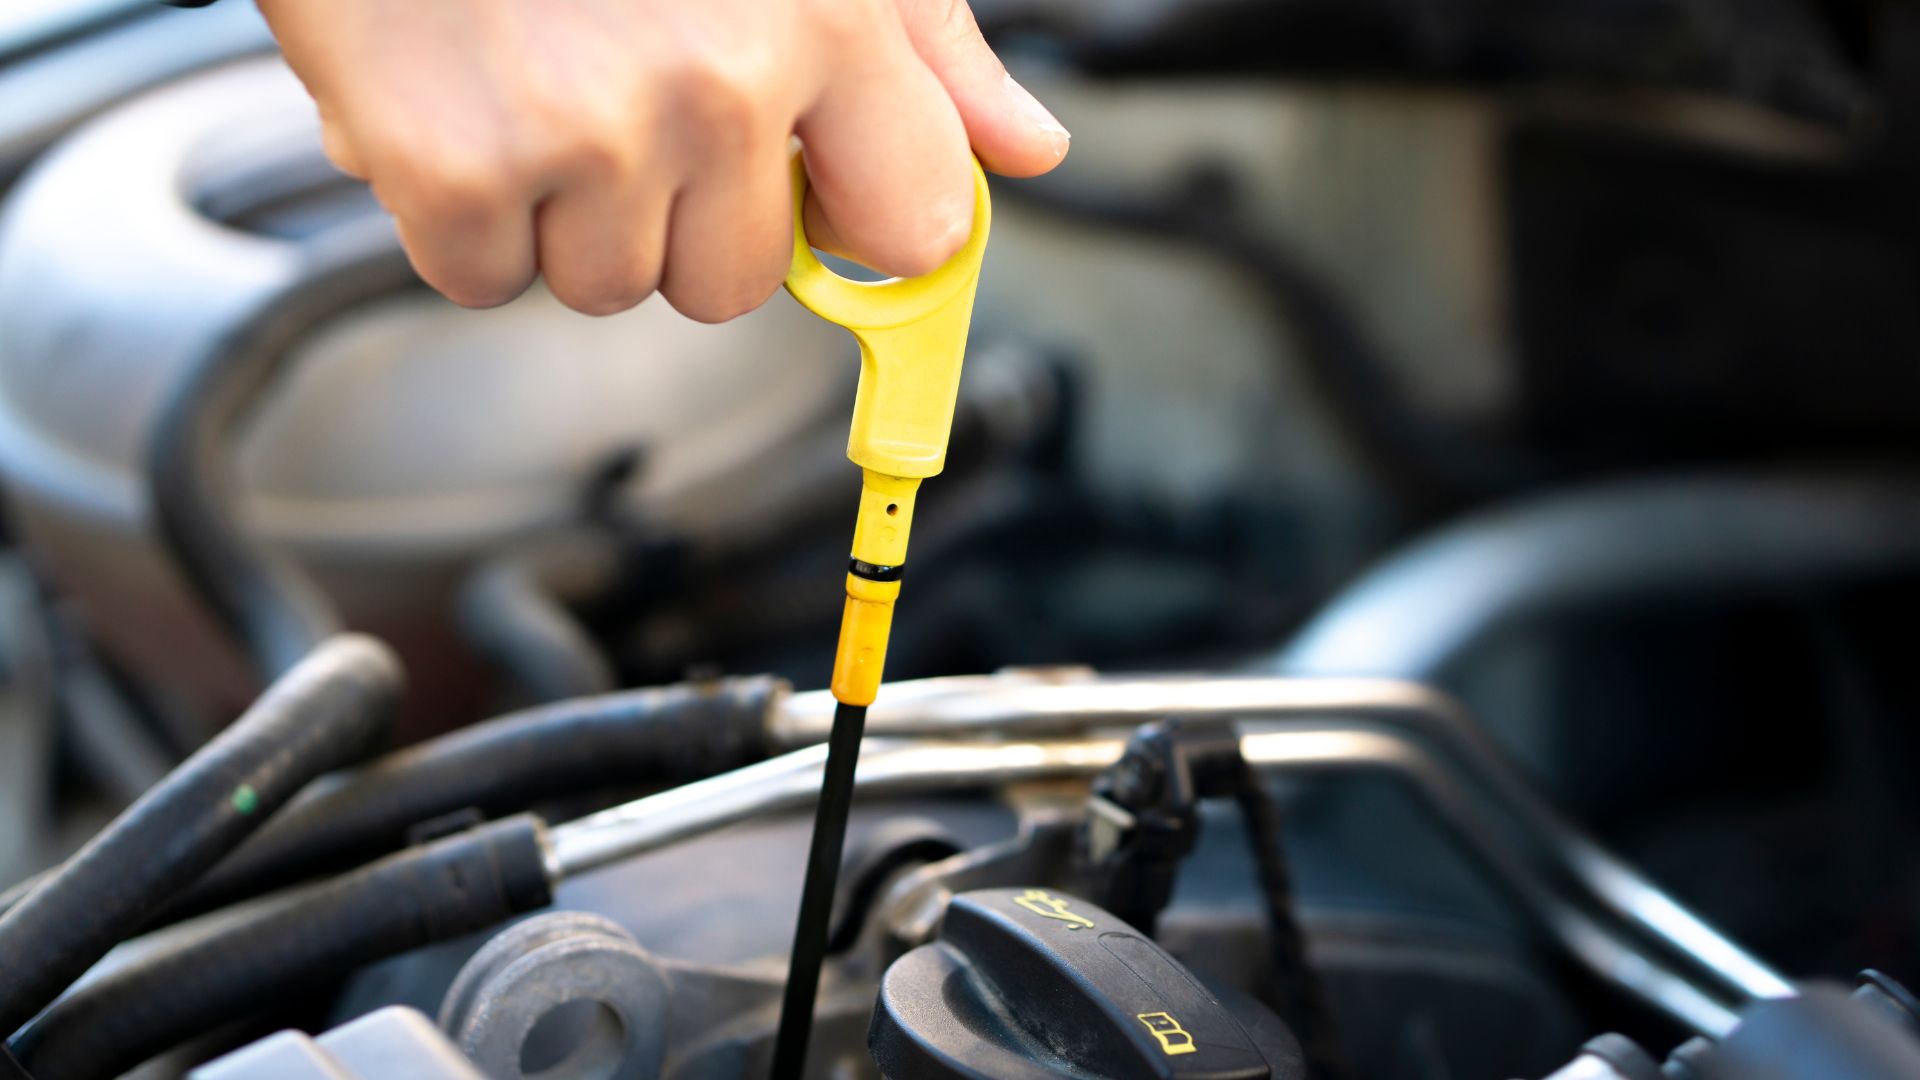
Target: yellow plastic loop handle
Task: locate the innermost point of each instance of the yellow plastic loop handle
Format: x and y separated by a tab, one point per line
912	334
868	305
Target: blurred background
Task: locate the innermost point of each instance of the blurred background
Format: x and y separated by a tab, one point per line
1564	354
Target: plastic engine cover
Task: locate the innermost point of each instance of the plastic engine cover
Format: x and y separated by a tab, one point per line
1027	983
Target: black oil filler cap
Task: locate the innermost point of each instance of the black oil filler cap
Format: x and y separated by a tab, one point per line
1031	983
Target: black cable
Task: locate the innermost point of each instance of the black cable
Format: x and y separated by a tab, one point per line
1144	819
328	711
1293	988
816	896
235	965
262	599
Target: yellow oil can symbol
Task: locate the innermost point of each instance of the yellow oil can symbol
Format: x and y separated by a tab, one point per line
1174	1039
1051	907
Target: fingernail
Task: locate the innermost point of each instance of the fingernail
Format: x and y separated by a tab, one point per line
1029	107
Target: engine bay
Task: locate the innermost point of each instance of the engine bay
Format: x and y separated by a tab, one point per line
1419	588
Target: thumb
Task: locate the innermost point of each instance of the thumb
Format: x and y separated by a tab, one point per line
1013	133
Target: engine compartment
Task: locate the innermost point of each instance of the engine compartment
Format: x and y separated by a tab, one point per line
1424	561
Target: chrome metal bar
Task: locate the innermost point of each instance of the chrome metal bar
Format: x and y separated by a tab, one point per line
1564	881
792	782
1029	704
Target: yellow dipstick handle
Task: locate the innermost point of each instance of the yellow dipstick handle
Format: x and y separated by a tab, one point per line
913	335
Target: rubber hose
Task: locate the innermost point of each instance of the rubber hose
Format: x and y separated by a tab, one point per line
263	599
203	979
28	723
1426	608
516	611
666	734
112	747
330	710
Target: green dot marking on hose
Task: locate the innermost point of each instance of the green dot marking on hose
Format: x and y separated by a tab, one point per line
245	799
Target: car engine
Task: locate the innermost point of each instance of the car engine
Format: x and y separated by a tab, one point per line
1421	587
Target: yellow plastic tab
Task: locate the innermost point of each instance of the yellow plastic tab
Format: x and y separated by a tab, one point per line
913	337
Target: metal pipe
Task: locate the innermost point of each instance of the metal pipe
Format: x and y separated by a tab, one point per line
1614	922
792	782
1029	704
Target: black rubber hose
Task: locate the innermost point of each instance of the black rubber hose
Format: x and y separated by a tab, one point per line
29	721
264	600
1428	607
666	735
109	743
517	612
328	711
209	976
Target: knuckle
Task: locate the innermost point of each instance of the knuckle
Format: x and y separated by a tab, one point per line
715	297
456	183
473	291
847	23
465	281
953	17
581	143
724	104
599	302
602	305
586	153
601	296
715	305
340	152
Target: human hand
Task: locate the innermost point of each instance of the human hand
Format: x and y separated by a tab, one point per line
619	147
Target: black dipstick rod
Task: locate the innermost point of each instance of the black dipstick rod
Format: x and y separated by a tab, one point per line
816	896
